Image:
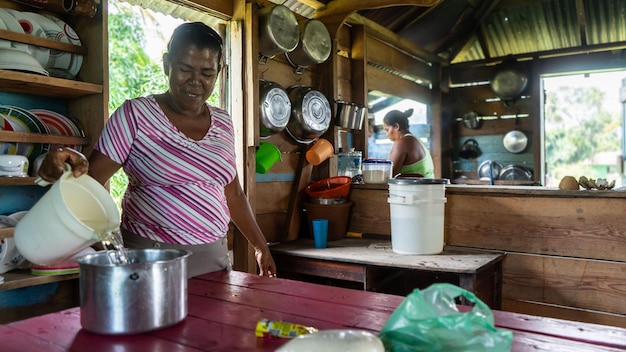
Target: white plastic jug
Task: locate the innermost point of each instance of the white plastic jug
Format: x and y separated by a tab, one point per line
69	217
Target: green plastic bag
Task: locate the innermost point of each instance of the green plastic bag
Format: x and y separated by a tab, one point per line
429	320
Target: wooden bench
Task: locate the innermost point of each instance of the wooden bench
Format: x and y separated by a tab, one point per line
371	265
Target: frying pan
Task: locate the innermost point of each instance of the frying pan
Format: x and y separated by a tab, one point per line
509	82
515	141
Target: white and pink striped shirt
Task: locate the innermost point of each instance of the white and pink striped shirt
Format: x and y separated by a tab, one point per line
176	185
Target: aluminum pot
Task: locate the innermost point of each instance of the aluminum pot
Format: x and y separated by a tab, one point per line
350	115
147	294
509	82
274	108
314	47
471	120
278	32
310	114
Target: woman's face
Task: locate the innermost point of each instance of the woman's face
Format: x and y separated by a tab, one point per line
393	132
192	73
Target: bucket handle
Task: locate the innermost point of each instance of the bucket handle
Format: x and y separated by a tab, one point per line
43	183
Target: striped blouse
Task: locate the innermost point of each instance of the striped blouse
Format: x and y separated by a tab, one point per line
176	185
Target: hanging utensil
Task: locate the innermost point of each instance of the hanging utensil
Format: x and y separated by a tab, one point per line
471	120
469	149
509	81
515	141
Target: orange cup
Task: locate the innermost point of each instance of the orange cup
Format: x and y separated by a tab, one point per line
321	150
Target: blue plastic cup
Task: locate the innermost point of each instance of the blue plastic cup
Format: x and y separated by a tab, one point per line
320	232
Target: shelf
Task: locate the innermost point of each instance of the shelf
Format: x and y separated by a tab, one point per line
7	232
23	278
16	181
27	137
34	84
43	42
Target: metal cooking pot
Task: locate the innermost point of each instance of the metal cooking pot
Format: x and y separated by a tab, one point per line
516	173
469	149
509	82
148	293
274	108
310	114
471	120
278	31
488	167
314	47
350	115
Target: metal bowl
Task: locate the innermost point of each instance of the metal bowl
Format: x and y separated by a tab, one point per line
483	169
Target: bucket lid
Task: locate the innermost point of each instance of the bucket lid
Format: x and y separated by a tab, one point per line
418	181
377	161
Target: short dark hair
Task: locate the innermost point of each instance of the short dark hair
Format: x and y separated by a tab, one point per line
397	117
198	34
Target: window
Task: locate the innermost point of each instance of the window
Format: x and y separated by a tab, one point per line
583	127
379	104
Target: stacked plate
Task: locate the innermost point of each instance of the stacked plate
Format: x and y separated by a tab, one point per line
59	125
21	120
13	118
57	63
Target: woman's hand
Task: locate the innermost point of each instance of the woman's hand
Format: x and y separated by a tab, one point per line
53	165
266	263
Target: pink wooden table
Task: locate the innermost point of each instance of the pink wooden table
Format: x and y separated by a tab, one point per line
224	308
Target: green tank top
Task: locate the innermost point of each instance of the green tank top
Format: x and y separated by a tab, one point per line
424	167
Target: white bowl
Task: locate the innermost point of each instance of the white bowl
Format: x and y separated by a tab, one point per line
18	60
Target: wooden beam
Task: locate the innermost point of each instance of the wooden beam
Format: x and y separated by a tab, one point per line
394	40
338	10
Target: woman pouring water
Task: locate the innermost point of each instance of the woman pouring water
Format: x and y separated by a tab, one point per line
408	154
178	152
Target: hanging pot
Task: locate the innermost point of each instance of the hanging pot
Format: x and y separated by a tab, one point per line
471	120
509	82
274	108
310	114
278	32
314	46
350	115
515	141
469	149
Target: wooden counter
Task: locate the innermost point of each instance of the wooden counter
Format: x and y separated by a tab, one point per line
371	265
565	249
224	308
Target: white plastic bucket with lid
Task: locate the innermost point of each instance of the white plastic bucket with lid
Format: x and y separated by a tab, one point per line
69	217
417	213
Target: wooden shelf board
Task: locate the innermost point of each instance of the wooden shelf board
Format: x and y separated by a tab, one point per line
6	232
34	84
16	181
23	278
42	42
19	137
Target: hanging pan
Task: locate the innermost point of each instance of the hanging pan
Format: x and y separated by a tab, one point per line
509	82
515	141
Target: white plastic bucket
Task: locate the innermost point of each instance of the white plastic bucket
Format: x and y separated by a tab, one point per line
69	217
417	213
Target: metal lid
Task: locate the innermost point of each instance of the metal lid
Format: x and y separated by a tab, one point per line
377	161
418	181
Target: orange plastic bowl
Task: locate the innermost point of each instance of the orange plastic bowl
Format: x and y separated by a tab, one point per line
330	188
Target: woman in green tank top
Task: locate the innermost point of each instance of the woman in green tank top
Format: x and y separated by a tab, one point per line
408	154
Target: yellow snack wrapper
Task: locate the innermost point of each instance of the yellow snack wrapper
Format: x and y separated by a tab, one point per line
266	328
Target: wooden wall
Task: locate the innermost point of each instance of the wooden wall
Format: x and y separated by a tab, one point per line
565	249
468	89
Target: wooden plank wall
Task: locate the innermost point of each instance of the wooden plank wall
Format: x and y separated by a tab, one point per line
467	89
274	189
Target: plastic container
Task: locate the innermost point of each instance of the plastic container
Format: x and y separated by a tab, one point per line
377	170
349	164
337	215
416	208
329	188
71	216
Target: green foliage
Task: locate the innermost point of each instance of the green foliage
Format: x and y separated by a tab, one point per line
577	128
